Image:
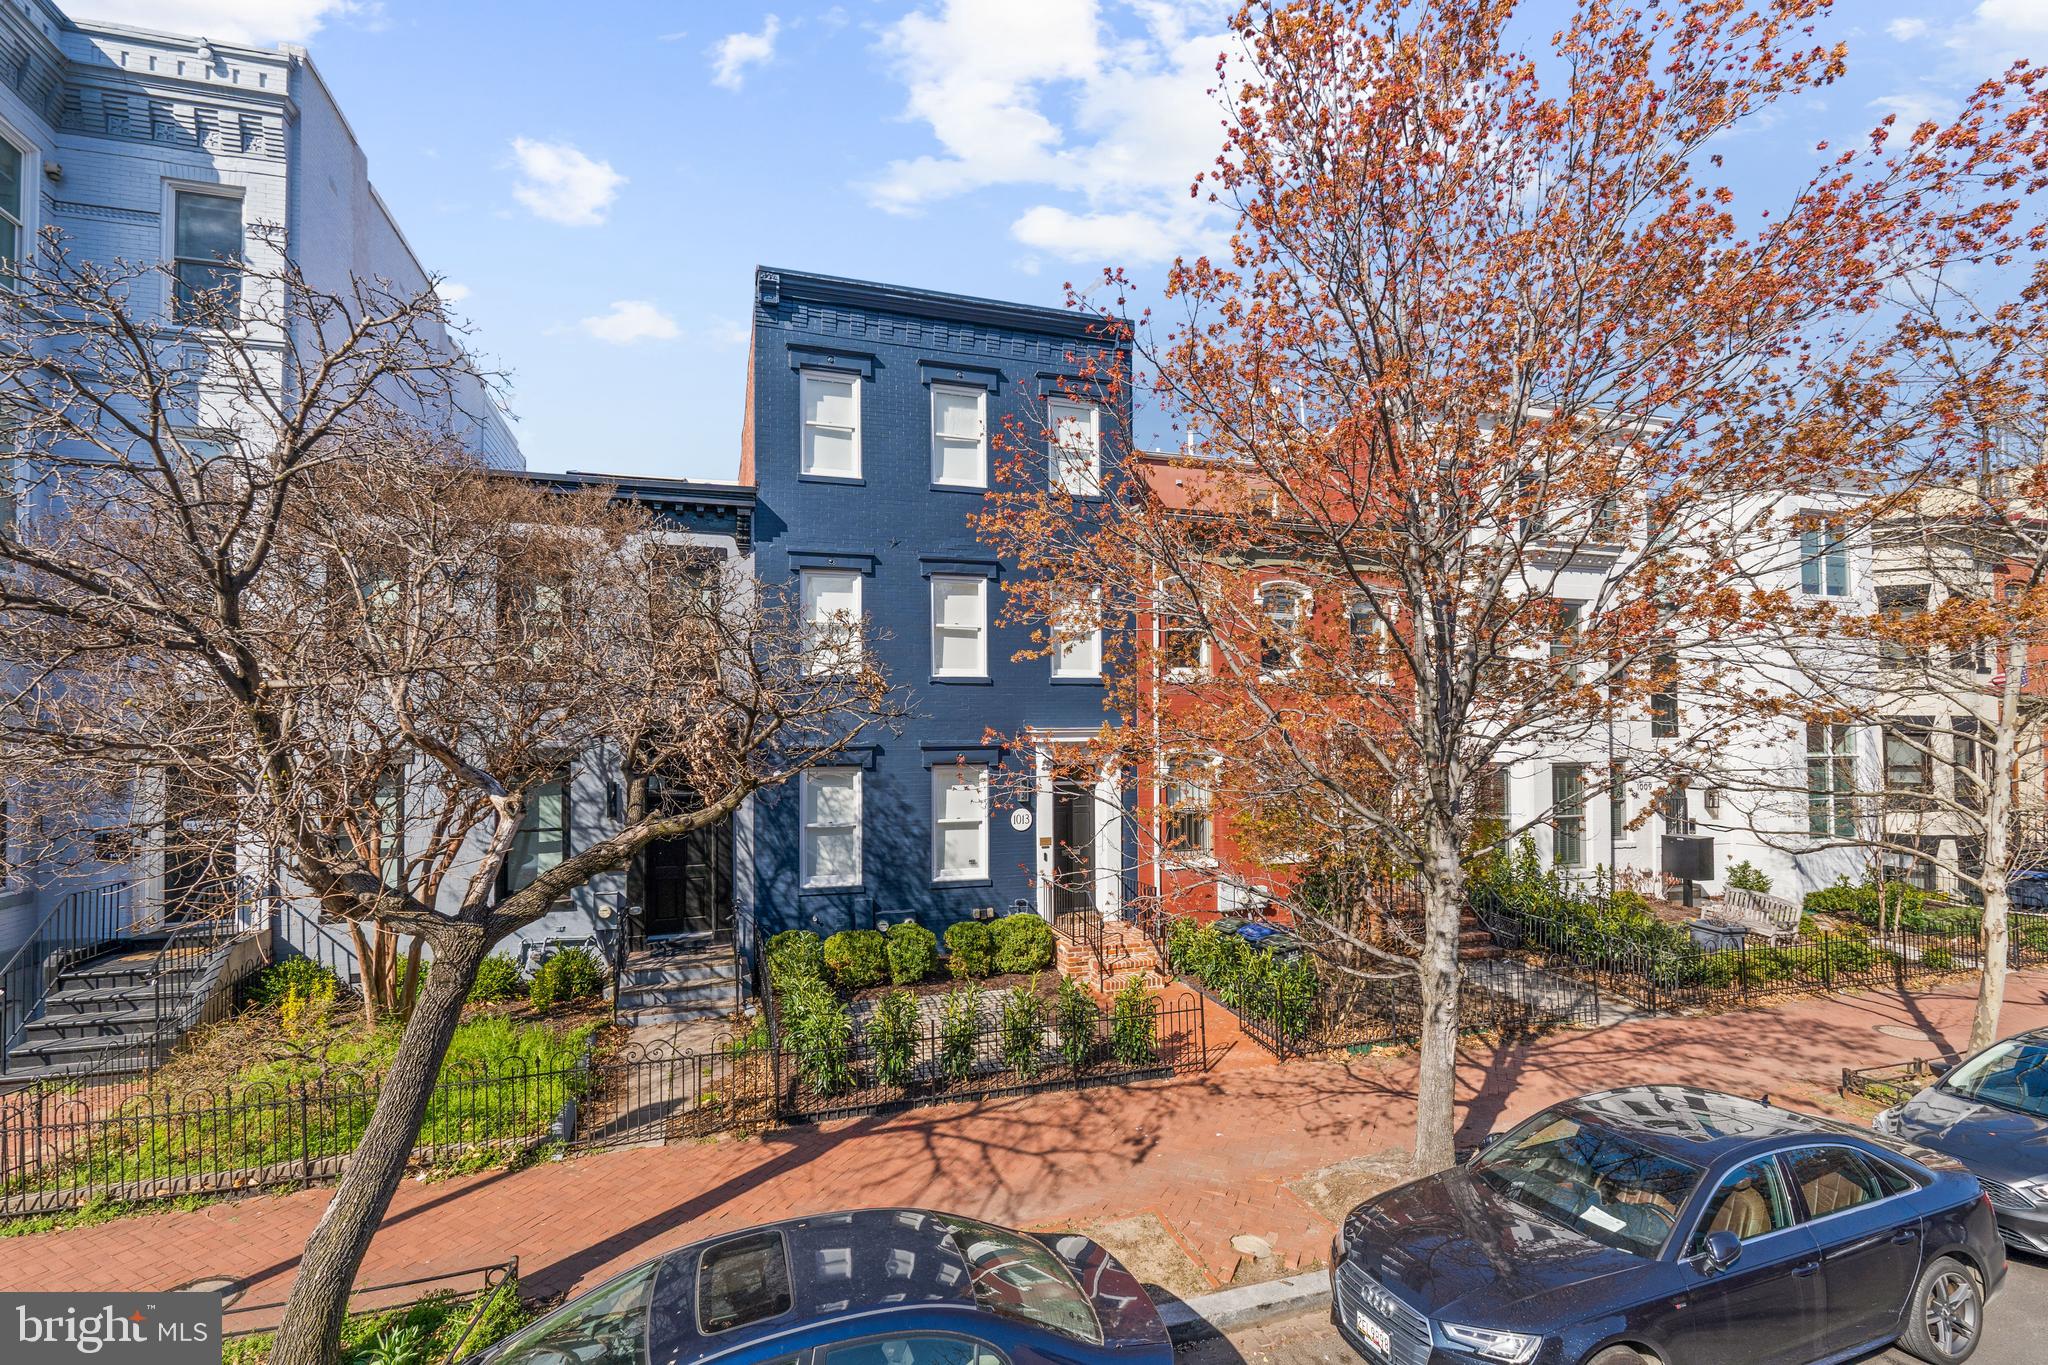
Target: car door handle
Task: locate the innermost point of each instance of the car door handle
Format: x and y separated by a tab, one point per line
1905	1235
1805	1269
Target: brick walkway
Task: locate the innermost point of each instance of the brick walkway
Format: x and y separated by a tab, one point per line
1210	1155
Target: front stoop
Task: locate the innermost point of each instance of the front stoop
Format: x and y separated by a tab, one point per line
671	985
1126	955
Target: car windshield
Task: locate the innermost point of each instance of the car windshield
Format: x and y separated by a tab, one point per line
1591	1179
2013	1073
1018	1277
607	1326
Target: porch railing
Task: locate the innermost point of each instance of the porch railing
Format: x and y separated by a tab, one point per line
78	926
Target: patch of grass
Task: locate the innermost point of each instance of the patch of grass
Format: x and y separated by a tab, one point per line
504	1079
440	1316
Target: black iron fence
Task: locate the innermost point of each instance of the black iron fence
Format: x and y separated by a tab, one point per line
1664	974
83	923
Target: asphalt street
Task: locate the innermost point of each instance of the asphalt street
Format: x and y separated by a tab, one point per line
2016	1333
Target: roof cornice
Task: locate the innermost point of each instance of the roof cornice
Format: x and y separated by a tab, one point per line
772	285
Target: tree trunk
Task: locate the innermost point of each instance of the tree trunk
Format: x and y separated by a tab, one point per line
310	1333
1436	1089
1997	829
366	969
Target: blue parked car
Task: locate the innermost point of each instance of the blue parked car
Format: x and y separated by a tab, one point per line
1677	1225
872	1287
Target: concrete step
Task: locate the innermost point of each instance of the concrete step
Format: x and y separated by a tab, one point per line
98	1000
46	1049
672	1014
24	1071
678	972
103	1025
683	992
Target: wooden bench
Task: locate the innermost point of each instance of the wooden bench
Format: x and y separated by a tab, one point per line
1773	917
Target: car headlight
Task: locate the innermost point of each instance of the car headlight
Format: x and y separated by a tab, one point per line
1511	1348
1336	1251
1888	1121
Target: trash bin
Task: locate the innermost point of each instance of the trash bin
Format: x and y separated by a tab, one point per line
1712	936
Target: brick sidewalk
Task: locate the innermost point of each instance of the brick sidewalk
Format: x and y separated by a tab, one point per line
1209	1155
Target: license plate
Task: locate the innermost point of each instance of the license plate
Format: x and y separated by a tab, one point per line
1375	1335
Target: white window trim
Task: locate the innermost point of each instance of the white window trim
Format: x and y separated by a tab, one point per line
1181	857
1376	611
839	660
980	397
942	777
1094	639
806	375
31	180
1822	521
1204	662
1059	458
169	245
980	586
807	850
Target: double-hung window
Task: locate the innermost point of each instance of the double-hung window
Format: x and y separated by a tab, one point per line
1286	611
959	437
1617	800
831	827
1664	700
960	822
1565	630
1188	802
1902	604
1908	761
959	626
1183	647
13	220
542	839
1075	450
1077	638
1568	814
830	403
832	619
1830	780
206	249
1823	561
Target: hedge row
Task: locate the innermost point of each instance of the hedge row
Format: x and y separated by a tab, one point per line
908	953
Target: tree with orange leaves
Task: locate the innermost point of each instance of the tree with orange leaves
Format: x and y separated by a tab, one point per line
1492	318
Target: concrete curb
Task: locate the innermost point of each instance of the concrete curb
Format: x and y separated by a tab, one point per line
1209	1315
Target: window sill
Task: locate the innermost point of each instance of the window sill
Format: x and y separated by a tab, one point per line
850	480
969	883
829	889
978	489
1092	681
962	680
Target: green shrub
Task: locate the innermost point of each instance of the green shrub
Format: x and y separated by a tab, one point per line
819	1032
1133	1031
1021	1027
497	978
1023	943
959	1030
1074	1015
794	956
970	950
913	952
1296	991
399	1344
571	974
1938	960
857	959
893	1031
300	976
1747	876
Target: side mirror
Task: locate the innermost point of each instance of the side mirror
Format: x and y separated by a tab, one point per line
1722	1248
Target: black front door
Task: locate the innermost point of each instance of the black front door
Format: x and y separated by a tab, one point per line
1073	847
688	882
198	851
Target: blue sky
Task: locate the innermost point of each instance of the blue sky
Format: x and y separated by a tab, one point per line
598	180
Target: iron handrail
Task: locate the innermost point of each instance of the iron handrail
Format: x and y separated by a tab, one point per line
103	908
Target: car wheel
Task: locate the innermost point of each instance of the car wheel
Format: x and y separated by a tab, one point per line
1945	1317
1618	1355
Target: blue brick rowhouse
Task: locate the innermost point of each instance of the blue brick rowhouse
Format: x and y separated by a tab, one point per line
870	437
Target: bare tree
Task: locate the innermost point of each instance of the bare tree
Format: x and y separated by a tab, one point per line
257	562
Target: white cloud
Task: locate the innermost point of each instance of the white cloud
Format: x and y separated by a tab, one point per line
735	52
1054	95
231	21
630	321
561	184
451	292
1906	30
2021	16
1914	108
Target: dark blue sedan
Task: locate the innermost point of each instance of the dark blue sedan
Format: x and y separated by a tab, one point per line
1675	1225
872	1287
